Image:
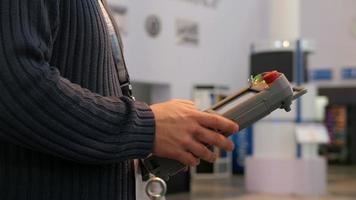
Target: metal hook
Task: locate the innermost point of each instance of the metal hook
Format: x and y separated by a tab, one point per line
151	190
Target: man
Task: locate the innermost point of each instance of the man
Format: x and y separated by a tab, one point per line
66	129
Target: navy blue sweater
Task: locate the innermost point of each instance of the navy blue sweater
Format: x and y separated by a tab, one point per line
66	132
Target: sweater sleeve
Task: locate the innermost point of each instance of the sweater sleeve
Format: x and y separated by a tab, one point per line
43	111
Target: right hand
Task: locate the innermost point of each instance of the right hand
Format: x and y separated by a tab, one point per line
183	132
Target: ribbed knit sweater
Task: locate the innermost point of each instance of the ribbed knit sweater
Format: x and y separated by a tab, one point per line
66	132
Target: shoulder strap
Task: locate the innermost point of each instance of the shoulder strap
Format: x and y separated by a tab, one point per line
117	51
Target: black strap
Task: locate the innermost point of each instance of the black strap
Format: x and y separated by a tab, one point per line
124	78
117	51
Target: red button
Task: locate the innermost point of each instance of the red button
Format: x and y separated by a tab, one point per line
269	77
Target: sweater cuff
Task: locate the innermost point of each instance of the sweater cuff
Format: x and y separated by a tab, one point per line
144	130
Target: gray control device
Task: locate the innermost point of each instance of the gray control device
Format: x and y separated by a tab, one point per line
245	108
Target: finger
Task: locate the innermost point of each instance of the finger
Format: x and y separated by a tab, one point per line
217	122
187	158
209	137
201	151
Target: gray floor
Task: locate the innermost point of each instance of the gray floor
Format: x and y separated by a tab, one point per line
341	186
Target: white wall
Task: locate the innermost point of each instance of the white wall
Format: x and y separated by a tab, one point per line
222	56
328	23
283	19
226	33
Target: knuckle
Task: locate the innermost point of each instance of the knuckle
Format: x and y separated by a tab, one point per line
194	161
184	160
186	141
232	127
198	135
218	139
207	154
215	120
198	151
186	117
192	102
193	128
191	115
189	160
207	138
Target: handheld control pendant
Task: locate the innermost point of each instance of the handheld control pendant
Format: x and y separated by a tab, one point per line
266	93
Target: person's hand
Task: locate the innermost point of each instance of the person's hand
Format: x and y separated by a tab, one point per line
183	132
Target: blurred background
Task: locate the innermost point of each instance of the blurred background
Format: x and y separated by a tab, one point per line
204	50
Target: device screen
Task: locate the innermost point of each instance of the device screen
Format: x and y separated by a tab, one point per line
238	100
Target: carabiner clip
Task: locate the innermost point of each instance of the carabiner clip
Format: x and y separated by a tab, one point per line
152	191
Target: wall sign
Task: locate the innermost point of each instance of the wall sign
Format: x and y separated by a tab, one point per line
187	32
321	75
349	73
153	25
